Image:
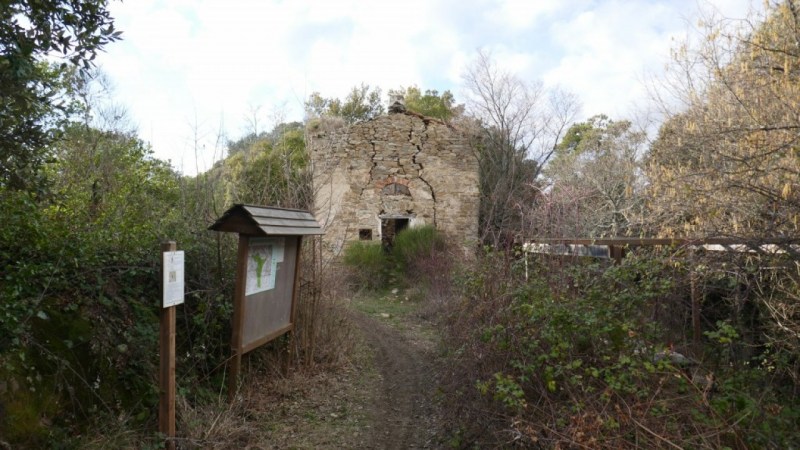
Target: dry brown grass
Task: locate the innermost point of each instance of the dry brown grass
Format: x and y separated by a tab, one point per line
218	425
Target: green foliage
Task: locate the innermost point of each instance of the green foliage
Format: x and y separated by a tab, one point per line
605	324
415	243
78	318
369	264
430	103
419	258
593	342
61	327
575	134
79	270
110	181
283	134
360	104
505	390
724	334
29	88
268	169
76	29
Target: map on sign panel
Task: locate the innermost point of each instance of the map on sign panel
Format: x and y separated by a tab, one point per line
263	257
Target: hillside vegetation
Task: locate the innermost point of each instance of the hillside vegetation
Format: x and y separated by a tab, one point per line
540	351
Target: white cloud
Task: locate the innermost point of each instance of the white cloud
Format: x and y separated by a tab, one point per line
608	50
195	63
521	14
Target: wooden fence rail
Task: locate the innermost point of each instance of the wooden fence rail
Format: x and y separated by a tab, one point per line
616	248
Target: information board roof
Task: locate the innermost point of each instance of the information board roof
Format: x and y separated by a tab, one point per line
267	221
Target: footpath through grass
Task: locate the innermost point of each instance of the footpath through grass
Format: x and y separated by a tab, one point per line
391	305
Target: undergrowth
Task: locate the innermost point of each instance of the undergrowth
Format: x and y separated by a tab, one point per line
420	258
368	264
592	355
79	316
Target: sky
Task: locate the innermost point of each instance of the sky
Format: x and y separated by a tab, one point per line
193	73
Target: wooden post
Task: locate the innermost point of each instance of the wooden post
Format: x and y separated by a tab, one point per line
166	372
696	330
293	314
238	316
616	253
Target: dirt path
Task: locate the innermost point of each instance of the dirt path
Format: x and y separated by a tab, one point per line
384	399
405	415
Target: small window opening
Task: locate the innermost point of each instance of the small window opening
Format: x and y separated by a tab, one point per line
365	234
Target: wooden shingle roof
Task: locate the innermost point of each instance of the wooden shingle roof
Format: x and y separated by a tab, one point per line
267	221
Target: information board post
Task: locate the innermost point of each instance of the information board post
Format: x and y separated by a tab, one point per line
295	292
172	288
238	316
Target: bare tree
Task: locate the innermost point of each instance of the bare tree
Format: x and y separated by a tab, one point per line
516	126
727	164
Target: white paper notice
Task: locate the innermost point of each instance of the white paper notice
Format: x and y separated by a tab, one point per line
173	278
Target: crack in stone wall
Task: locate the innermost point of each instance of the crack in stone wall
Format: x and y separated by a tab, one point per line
374	161
430	159
421	168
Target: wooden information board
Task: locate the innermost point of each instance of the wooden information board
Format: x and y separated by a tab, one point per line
267	274
264	299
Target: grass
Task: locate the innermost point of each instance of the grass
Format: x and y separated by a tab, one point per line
401	310
385	305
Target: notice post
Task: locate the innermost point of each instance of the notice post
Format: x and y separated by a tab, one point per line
172	290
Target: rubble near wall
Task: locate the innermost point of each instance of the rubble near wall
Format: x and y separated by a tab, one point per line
399	165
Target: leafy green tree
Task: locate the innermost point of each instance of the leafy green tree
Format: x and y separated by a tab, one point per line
29	89
281	133
79	276
575	134
110	180
595	186
430	103
268	169
362	103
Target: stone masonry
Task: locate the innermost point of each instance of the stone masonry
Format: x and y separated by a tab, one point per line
396	167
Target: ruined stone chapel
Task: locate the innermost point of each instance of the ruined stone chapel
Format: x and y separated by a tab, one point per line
377	177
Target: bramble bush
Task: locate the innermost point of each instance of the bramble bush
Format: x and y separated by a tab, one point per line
426	258
590	355
414	244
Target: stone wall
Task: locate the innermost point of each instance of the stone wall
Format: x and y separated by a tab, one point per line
396	166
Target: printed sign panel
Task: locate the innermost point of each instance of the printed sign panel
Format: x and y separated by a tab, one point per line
268	287
172	263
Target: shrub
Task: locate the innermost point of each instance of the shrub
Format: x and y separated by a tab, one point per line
585	351
419	257
426	261
413	244
368	264
582	356
77	323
